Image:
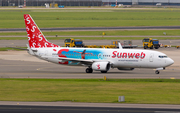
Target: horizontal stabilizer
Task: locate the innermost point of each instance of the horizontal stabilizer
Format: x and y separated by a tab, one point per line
30	51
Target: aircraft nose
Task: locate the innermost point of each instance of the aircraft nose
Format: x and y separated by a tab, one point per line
169	61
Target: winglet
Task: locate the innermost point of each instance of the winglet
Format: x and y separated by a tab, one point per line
120	47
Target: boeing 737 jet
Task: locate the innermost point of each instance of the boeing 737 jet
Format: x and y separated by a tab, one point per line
95	59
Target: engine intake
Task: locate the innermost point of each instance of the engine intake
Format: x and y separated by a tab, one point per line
101	66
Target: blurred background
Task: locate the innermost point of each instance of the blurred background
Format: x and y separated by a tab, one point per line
88	2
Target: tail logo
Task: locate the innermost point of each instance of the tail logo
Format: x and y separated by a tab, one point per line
35	37
34	45
33	28
40	38
28	21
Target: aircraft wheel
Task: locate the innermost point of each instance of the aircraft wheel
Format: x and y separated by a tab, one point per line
103	71
157	72
89	70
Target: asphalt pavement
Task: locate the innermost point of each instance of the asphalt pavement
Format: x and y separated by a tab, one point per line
19	64
22	43
62	109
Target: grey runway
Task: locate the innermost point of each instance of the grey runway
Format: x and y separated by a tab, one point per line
27	69
60	109
19	64
94	28
95	36
22	43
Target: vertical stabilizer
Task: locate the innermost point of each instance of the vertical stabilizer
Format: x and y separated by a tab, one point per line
35	37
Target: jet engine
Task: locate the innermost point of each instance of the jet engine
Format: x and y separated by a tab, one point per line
126	69
101	66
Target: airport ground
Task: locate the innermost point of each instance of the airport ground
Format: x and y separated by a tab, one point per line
22	65
22	43
65	109
18	64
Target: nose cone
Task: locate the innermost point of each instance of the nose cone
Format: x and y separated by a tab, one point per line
169	61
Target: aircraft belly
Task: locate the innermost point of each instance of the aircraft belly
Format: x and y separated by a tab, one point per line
155	64
136	63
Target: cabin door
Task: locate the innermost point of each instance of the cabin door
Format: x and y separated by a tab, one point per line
151	57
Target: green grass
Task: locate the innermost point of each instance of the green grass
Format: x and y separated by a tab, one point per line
98	33
13	38
8	48
90	17
149	91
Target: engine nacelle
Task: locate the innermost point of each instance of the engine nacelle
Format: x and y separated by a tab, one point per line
127	69
101	66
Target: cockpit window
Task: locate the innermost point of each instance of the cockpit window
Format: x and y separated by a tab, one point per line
162	56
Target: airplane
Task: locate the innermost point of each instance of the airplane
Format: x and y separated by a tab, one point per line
97	59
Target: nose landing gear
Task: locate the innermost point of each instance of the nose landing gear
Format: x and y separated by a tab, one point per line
157	72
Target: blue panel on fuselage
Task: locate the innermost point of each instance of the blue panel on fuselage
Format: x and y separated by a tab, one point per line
82	53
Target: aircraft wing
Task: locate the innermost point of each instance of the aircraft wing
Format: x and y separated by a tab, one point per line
82	61
76	60
79	61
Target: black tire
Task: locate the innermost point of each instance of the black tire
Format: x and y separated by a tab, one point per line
151	47
157	72
89	70
145	47
103	71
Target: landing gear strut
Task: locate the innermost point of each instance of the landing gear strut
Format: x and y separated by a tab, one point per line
89	70
157	72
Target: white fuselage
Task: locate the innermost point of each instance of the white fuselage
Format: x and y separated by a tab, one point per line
132	58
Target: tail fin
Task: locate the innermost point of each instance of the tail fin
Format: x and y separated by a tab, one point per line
35	37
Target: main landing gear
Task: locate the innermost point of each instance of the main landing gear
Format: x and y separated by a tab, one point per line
103	71
89	70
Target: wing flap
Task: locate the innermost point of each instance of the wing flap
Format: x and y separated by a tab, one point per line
75	60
